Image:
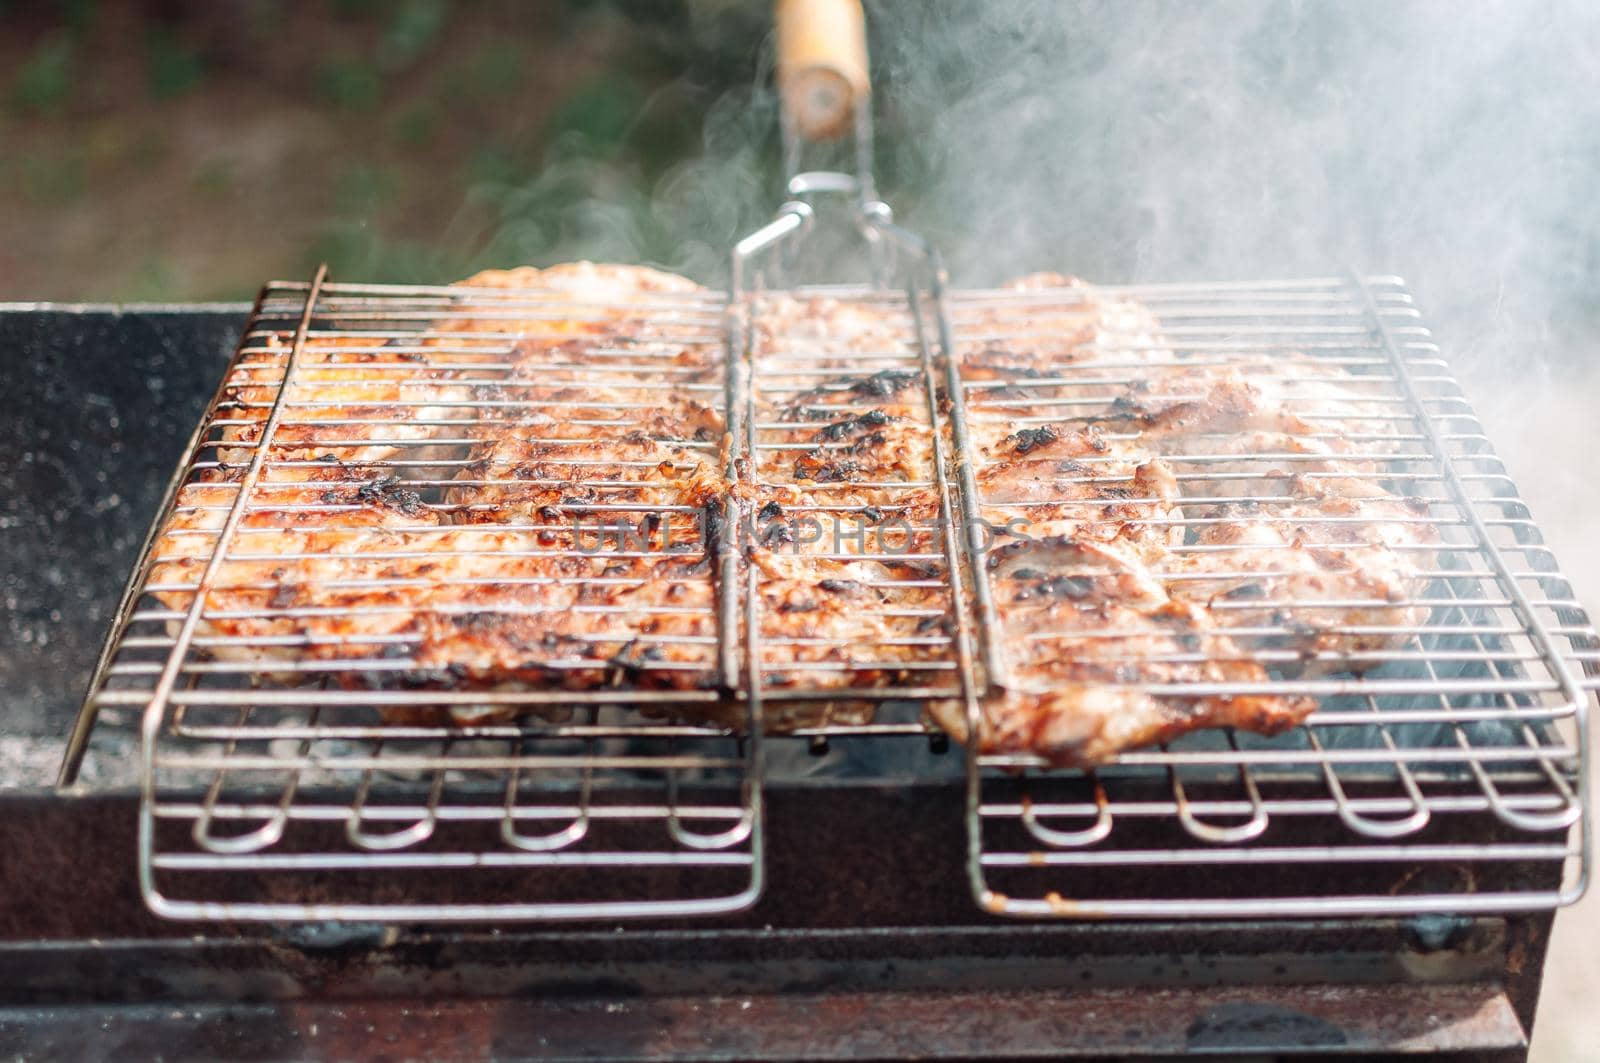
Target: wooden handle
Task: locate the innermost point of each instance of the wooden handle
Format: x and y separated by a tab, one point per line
822	64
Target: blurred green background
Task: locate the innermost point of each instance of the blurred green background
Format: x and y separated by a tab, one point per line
191	150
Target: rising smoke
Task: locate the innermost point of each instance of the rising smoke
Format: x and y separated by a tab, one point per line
1457	143
1454	142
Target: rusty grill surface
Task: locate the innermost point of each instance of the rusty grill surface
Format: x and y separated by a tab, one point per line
1456	749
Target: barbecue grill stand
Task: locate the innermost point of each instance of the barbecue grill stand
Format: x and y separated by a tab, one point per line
865	942
830	961
829	964
87	971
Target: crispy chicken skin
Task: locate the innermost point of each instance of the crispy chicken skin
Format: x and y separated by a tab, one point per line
852	591
1255	537
527	492
499	528
1094	638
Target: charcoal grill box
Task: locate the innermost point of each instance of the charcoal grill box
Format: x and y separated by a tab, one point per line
865	942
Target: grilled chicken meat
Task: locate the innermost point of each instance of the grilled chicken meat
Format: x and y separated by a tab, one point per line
525	487
853	590
1329	574
507	524
382	598
364	403
1050	481
1271	547
1095	638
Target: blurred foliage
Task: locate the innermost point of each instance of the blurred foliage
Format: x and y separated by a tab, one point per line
360	189
53	179
214	178
493	70
417	124
413	29
350	82
600	112
44	81
154	281
355	9
629	129
352	249
174	66
78	14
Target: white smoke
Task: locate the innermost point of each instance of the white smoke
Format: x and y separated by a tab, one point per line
1453	142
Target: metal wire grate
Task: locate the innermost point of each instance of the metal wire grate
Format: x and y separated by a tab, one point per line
305	756
1450	725
873	530
293	728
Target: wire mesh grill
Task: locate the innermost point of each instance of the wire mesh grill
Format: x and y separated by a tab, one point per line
1449	725
384	627
487	670
852	510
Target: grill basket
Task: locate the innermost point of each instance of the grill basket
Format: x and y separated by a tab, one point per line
1456	755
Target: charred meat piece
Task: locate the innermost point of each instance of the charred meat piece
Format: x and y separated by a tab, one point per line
1221	519
448	512
526	492
1094	640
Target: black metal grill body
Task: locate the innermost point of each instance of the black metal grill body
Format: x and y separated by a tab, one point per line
893	971
828	964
